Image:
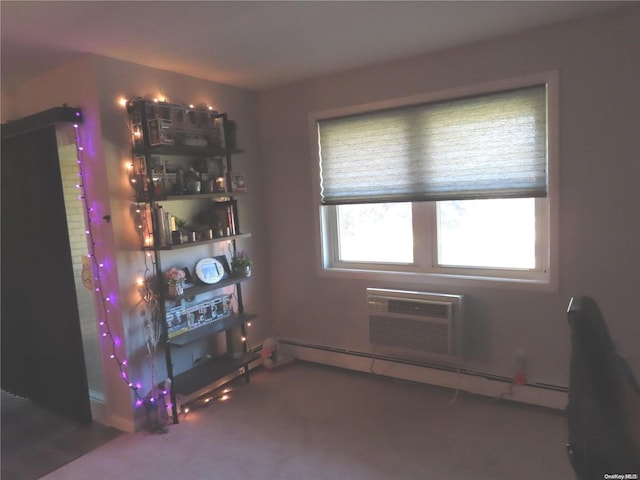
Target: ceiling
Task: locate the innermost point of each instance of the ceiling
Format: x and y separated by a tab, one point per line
258	45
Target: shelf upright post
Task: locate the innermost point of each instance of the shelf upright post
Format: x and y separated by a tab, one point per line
234	207
191	380
157	261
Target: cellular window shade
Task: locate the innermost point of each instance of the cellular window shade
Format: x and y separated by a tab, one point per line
486	146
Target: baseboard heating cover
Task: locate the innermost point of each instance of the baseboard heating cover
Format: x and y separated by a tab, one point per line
477	383
416	324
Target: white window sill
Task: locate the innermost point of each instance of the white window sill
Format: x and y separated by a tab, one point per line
427	279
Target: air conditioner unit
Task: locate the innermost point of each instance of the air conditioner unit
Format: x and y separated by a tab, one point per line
415	324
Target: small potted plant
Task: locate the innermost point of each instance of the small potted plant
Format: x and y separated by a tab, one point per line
175	279
241	264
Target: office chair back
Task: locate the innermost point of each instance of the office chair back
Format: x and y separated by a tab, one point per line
604	399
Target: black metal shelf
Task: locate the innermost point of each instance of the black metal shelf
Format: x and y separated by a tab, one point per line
185	150
195	196
203	288
207	373
202	242
143	113
186	196
217	326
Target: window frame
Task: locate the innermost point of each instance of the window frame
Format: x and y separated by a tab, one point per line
424	269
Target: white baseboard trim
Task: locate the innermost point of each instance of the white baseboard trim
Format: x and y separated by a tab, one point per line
476	383
99	410
124	424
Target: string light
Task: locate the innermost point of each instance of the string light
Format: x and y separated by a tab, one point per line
137	175
103	323
139	181
160	98
205	401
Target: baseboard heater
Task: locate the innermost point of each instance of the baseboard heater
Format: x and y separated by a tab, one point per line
456	378
416	324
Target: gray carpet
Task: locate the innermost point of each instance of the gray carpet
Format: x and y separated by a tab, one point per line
36	442
310	422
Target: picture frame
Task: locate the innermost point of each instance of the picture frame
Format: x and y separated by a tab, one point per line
238	182
225	263
188	278
209	270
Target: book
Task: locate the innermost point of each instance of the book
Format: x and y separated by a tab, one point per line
159	222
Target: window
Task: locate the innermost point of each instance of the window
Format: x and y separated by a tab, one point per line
459	187
375	232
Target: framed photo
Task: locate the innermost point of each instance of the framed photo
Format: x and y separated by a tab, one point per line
188	279
238	182
210	270
223	260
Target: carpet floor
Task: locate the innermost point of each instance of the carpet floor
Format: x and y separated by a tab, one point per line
36	442
306	421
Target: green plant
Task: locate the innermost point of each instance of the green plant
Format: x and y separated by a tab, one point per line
240	259
181	223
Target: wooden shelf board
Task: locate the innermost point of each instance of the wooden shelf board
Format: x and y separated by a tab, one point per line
195	196
209	329
203	288
203	242
209	372
185	150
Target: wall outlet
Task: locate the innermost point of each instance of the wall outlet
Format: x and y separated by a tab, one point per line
520	359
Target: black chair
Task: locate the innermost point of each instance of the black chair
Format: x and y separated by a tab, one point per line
604	400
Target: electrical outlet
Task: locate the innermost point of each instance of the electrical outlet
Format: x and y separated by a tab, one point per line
520	359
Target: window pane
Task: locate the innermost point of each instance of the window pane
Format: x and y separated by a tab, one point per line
375	232
498	233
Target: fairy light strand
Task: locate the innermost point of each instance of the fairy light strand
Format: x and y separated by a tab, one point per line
144	227
104	326
139	182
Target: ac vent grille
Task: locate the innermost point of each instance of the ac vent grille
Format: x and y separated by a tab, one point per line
413	325
409	333
423	309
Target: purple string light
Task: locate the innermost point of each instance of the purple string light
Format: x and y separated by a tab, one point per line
103	323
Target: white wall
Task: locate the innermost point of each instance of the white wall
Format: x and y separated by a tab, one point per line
95	84
598	60
118	79
76	225
74	83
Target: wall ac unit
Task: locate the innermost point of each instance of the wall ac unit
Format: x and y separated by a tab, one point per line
415	324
